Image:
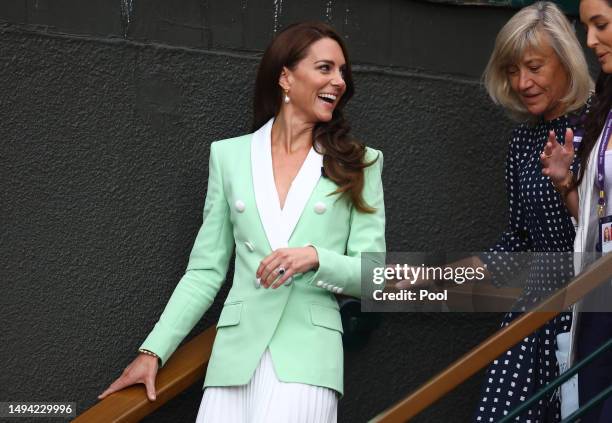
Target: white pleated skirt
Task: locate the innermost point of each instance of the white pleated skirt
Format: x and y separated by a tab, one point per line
265	399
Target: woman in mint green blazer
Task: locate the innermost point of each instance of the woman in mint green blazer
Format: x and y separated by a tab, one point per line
299	200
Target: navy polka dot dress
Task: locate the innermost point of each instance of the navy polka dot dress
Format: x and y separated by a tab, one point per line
538	222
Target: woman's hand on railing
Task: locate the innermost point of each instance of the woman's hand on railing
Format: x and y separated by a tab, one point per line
142	370
414	281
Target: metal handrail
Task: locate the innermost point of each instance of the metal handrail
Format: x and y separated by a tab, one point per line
497	344
586	407
557	382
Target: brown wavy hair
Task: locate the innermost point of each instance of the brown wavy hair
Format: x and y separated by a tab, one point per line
343	155
595	121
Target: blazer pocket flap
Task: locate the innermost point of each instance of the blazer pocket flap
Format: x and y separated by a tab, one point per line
230	315
327	317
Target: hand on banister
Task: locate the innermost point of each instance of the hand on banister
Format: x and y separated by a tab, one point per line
142	370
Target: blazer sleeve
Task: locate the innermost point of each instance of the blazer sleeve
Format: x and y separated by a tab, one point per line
206	270
367	234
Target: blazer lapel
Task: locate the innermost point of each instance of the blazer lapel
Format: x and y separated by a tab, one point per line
266	197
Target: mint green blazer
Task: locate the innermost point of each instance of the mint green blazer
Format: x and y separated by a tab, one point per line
299	323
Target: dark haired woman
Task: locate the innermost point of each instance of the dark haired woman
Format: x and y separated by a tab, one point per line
299	199
588	198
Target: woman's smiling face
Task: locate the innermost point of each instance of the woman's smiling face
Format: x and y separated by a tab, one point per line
316	84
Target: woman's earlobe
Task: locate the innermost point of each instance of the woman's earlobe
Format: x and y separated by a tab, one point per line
284	80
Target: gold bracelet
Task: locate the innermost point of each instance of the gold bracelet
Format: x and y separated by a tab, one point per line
147	352
566	186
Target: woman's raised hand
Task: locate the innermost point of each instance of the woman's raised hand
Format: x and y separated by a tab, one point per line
556	158
142	370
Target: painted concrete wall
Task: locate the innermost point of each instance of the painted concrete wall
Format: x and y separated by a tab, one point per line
108	109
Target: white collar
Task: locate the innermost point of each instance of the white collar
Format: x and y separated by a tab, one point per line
280	224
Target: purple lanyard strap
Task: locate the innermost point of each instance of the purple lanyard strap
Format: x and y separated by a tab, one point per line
601	163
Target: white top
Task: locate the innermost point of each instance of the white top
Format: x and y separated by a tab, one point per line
279	223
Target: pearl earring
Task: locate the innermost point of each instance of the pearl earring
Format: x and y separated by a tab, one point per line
287	99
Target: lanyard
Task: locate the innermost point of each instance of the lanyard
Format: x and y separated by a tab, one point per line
601	163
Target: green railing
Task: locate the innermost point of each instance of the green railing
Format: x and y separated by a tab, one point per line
592	403
560	381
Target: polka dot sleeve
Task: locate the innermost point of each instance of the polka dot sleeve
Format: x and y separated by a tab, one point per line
516	236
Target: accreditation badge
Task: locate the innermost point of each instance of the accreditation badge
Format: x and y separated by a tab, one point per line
605	233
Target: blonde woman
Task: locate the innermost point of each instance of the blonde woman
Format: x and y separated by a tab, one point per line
538	73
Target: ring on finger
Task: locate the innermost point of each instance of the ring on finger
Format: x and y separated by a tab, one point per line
281	270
